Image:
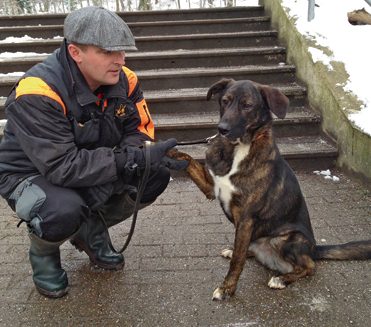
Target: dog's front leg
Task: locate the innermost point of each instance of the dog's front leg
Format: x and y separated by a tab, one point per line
241	244
198	173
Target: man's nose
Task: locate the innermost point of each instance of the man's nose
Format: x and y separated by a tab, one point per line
120	58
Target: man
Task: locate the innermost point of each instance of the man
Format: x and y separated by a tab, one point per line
72	150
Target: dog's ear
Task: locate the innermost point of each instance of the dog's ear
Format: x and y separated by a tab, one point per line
218	87
278	102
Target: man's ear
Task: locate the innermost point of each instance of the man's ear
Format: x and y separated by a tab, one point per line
75	52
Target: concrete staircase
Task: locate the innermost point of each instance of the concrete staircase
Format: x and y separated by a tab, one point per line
181	53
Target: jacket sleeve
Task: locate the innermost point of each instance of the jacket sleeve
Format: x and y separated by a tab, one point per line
139	127
44	134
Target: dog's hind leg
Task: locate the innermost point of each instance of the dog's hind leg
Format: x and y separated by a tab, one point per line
305	269
296	250
267	251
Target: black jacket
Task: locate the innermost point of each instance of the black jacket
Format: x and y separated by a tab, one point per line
57	127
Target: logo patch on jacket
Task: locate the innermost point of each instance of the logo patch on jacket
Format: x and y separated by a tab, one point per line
120	111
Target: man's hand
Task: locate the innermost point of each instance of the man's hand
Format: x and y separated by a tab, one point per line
157	152
174	164
134	157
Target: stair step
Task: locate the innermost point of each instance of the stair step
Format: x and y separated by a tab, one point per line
187	121
307	152
153	27
214	25
172	58
162	42
204	77
193	100
196	102
196	77
187	127
140	16
199	13
208	40
168	100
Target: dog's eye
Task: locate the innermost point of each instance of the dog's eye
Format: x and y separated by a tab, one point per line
225	101
247	106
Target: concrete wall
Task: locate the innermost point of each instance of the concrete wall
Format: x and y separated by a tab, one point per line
324	93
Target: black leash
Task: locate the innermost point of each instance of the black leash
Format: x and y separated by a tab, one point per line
142	185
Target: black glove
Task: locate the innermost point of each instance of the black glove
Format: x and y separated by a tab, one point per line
133	157
157	152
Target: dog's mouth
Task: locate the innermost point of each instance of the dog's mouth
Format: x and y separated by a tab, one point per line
233	132
231	139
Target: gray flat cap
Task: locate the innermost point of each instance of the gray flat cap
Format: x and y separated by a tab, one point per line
100	27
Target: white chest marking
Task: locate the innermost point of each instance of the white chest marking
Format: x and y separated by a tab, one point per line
223	186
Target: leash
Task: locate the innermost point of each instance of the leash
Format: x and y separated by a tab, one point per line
199	141
142	184
141	187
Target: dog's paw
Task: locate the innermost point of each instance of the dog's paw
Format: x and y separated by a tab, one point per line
222	292
210	195
276	283
219	294
227	253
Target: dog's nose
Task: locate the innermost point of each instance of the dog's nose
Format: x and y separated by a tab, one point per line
223	129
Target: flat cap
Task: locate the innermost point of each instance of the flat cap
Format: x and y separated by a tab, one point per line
100	27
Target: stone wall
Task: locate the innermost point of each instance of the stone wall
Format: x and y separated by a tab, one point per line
325	94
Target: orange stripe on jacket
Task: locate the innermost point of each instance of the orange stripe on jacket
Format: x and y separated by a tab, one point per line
146	123
132	79
36	86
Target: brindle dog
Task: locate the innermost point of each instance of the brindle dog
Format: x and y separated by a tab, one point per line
258	191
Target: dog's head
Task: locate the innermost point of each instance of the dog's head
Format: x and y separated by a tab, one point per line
245	106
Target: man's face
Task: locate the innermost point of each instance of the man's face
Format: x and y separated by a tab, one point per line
98	66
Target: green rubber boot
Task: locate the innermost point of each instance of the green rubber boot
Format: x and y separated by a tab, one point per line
94	240
49	277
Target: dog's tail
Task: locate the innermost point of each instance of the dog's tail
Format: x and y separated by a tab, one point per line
360	250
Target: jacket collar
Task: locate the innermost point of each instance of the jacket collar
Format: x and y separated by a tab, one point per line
78	87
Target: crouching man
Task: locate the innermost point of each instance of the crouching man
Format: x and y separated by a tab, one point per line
73	147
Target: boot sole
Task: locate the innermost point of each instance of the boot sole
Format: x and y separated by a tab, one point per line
80	247
52	294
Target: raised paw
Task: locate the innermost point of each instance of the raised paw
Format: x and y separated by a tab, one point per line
178	155
276	283
227	253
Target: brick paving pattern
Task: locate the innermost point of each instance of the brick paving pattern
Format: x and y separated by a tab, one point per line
173	266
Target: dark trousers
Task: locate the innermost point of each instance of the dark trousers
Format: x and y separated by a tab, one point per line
55	213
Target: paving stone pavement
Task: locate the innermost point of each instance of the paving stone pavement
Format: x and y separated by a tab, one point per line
173	266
